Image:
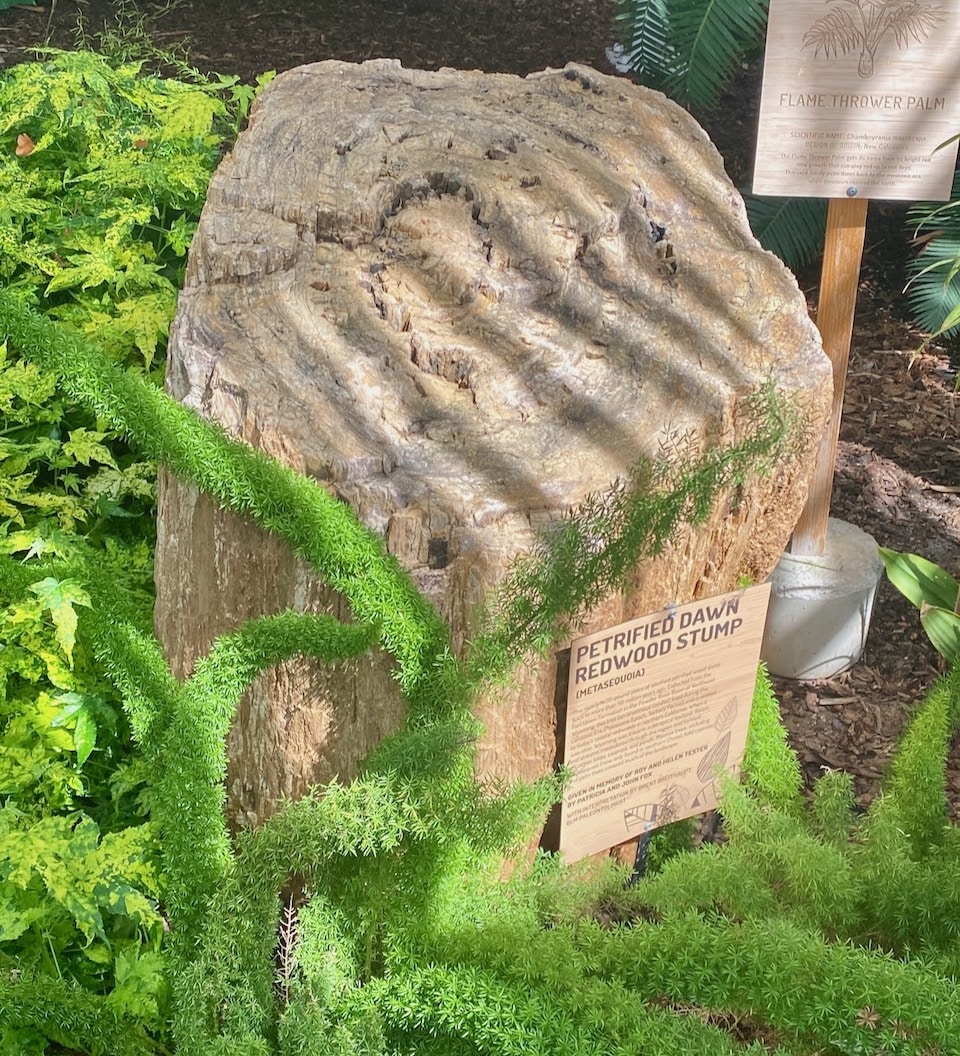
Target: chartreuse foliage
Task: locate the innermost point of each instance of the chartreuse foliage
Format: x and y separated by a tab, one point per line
810	930
103	171
78	880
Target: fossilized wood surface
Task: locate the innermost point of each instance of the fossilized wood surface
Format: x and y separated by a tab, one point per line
462	302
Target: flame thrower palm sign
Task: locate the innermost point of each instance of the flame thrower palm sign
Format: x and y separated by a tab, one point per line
857	97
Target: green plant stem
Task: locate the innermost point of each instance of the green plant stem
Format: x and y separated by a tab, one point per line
482	1007
594	548
788	977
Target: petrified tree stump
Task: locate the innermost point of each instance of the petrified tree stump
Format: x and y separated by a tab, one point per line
463	302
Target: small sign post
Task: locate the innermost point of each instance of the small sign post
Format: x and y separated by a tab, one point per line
857	96
657	708
842	251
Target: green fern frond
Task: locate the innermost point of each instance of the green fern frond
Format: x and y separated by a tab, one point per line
575	564
644	30
710	36
793	228
350	558
593	1016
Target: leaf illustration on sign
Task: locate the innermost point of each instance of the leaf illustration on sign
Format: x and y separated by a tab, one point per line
863	24
709	793
725	719
641	818
673	798
714	758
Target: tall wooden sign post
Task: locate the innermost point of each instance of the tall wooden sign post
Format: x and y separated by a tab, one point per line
842	251
857	96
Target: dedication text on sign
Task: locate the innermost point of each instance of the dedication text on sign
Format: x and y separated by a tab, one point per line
655	709
857	96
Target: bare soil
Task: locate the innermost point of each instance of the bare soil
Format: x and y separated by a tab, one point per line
898	470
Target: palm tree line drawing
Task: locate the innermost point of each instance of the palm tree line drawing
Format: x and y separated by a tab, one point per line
863	24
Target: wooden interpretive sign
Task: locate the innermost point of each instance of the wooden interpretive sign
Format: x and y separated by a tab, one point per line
656	709
857	96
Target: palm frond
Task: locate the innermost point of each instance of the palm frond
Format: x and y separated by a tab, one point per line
933	289
711	36
913	20
644	34
792	228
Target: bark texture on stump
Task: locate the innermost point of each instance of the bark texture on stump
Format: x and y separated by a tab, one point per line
463	302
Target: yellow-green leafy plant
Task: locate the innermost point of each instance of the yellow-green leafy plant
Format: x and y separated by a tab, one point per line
79	883
103	170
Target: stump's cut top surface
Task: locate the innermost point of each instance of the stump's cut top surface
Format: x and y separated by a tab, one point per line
478	291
